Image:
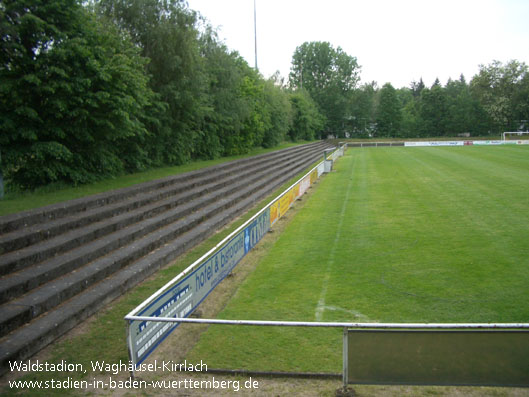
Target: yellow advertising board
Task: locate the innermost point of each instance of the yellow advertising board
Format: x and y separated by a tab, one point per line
313	176
281	206
295	193
284	202
274	212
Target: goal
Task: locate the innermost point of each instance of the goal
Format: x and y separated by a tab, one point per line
515	135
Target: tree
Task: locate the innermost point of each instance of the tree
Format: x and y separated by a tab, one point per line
465	114
417	87
330	76
388	116
279	114
434	111
307	121
363	108
166	33
225	108
72	98
411	125
216	103
502	91
521	102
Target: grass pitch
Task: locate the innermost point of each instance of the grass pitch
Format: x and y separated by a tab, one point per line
393	235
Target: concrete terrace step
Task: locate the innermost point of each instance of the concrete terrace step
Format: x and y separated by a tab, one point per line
9	223
17	312
75	290
32	337
26	279
111	218
29	235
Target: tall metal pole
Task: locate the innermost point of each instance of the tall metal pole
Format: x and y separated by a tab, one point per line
255	32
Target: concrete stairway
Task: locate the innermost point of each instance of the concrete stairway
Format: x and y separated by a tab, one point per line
61	263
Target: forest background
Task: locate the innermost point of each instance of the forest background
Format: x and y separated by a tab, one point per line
95	89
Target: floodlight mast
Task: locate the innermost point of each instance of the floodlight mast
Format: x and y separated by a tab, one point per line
255	33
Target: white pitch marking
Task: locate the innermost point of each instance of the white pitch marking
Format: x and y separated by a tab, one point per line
353	312
320	308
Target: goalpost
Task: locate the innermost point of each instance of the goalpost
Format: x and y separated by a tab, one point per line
518	133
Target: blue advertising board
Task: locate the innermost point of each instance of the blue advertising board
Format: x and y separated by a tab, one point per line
183	298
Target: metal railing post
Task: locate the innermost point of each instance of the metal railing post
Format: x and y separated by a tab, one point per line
345	360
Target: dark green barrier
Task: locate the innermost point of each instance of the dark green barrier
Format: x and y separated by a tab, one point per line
438	357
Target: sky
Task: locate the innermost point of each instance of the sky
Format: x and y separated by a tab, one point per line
396	41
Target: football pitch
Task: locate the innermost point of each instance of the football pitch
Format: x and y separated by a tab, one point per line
392	235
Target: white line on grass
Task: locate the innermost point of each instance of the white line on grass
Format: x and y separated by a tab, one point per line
355	313
320	308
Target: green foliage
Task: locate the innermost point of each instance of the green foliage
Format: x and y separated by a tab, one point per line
410	119
503	92
279	111
363	109
253	125
73	96
466	114
165	32
224	106
122	85
417	87
101	88
434	111
388	114
307	121
496	100
216	104
330	76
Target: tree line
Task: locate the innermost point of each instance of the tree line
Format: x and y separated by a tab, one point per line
495	100
91	89
95	89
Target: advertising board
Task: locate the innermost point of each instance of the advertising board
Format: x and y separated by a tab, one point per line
285	201
435	143
304	185
465	143
274	212
184	297
487	142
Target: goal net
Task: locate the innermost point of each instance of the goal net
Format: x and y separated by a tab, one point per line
515	135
